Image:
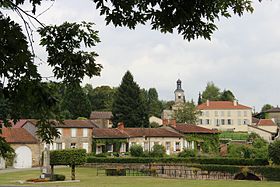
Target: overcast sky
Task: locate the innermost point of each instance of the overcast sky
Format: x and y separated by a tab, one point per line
243	55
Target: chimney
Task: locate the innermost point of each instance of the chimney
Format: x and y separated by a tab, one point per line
207	102
235	102
120	126
172	122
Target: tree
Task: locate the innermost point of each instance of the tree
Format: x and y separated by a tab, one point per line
187	114
211	93
128	105
76	102
153	103
274	152
101	98
136	150
266	107
227	95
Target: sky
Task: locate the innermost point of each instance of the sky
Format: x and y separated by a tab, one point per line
242	55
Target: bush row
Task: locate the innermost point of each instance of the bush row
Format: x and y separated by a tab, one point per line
196	160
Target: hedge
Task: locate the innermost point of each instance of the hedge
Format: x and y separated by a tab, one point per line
219	161
68	157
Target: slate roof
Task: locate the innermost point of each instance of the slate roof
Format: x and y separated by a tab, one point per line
221	105
18	135
100	115
266	122
187	128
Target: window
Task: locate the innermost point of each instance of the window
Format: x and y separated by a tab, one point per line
73	145
216	113
73	132
85	132
200	121
110	148
207	113
207	122
123	148
60	131
239	113
217	122
177	146
228	113
222	122
229	122
58	146
146	146
245	122
222	113
85	146
167	146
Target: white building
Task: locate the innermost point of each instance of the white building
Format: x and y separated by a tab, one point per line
225	116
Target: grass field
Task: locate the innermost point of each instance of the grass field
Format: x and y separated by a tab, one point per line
87	177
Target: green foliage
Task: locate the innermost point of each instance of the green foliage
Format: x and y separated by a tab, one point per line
6	151
136	150
187	153
209	142
167	105
266	107
187	114
191	18
211	93
128	105
193	160
63	44
154	125
68	157
76	102
158	151
154	105
101	98
227	95
274	152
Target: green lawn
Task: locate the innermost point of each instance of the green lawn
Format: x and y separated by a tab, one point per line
234	135
88	178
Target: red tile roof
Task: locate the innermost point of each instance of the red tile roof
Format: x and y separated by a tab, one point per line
272	110
221	105
109	133
18	135
77	124
187	128
100	115
266	122
134	132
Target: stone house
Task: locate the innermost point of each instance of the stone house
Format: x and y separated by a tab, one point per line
225	116
146	137
266	128
196	136
102	119
27	147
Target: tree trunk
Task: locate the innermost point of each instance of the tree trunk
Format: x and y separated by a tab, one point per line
73	172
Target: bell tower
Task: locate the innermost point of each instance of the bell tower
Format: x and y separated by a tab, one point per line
179	93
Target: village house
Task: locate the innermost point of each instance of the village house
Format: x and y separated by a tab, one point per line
225	116
265	128
196	136
27	147
146	137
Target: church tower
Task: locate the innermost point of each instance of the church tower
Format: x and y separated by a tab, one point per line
179	93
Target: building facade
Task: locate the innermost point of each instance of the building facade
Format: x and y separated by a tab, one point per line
225	116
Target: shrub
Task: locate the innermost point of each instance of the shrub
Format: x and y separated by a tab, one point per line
136	150
187	153
158	151
274	152
58	177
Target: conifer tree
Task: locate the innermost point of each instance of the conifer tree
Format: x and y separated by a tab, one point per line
128	105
